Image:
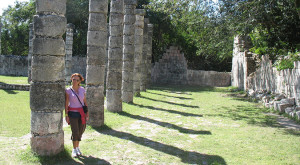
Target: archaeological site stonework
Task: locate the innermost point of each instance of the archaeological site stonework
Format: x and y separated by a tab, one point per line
276	89
47	88
96	55
69	51
128	50
115	56
143	68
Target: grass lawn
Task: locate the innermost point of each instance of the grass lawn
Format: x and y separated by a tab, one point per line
166	125
13	80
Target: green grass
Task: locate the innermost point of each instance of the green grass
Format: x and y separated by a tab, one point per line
169	125
13	80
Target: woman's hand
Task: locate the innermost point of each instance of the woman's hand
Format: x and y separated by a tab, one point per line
67	119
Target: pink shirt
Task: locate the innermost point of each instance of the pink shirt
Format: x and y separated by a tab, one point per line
73	101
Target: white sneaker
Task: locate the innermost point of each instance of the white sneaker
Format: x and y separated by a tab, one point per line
74	153
78	151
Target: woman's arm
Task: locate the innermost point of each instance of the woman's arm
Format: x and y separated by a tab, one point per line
66	107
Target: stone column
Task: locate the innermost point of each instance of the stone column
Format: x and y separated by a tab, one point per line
128	50
96	54
149	55
69	51
138	50
0	37
29	51
115	54
144	56
47	88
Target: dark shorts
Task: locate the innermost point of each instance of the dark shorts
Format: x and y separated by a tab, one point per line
77	128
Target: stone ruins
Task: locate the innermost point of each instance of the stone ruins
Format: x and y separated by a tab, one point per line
276	89
47	88
127	50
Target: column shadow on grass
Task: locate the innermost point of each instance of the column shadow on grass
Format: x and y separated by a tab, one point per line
178	104
178	97
12	92
165	124
167	110
190	157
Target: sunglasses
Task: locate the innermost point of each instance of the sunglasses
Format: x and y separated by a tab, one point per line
75	80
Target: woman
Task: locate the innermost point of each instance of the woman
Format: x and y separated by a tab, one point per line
75	116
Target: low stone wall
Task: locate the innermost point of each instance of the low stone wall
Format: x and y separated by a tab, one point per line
208	78
13	65
22	87
172	69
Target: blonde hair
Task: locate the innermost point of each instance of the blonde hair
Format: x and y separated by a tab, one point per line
79	75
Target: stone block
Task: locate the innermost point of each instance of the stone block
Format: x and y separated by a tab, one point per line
127	76
95	75
46	123
128	40
139	32
95	61
128	66
290	101
114	100
48	46
97	22
115	65
129	30
128	57
95	96
129	10
138	40
97	38
47	145
51	6
288	110
49	25
298	115
98	6
116	42
47	68
127	97
114	80
115	54
116	19
96	116
116	30
116	6
47	96
141	12
128	49
96	52
129	19
130	2
282	107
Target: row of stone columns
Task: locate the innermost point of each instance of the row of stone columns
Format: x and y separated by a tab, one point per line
50	60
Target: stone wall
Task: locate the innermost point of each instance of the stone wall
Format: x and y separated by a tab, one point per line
13	65
17	65
172	69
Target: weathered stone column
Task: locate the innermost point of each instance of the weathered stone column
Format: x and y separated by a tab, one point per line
128	50
29	51
149	55
138	50
144	56
115	54
96	54
69	51
47	88
0	37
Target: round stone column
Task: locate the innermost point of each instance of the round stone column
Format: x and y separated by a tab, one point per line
96	54
47	87
69	51
29	51
149	55
138	50
128	50
115	54
144	56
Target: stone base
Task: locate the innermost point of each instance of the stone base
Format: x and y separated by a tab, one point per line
127	97
114	100
96	116
47	145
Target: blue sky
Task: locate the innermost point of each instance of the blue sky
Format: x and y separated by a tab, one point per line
5	3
